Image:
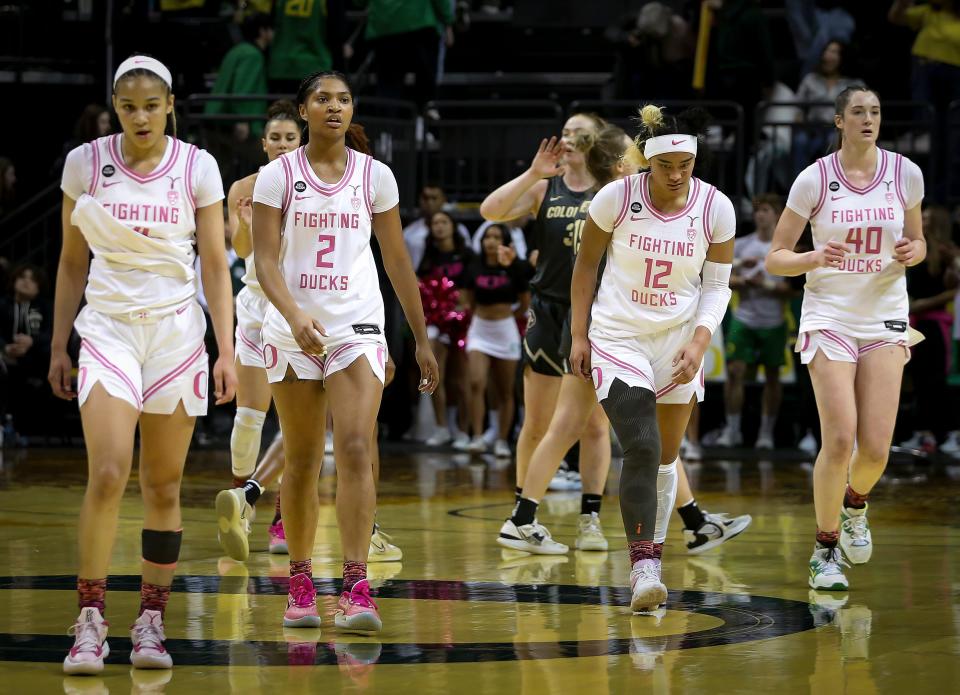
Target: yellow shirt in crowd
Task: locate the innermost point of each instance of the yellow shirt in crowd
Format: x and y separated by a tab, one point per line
939	37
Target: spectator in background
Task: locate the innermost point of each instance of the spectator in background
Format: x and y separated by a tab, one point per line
516	238
94	122
432	200
654	54
758	331
447	256
814	24
8	186
822	84
405	36
305	33
25	321
932	285
936	57
243	71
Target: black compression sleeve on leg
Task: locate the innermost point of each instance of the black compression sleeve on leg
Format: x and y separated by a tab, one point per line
161	547
633	414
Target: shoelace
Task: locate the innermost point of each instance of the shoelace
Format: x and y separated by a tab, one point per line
361	598
592	525
148	636
856	526
830	563
87	636
301	594
646	572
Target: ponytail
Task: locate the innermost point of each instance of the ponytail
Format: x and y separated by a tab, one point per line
653	122
356	139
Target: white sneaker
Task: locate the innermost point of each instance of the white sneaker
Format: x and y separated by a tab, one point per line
439	438
715	530
501	449
855	538
648	592
477	445
808	444
825	570
381	549
564	480
729	438
951	445
147	637
461	442
692	452
90	646
921	442
590	533
764	441
233	523
531	538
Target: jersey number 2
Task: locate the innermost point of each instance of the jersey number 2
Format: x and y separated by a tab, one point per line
331	244
658	282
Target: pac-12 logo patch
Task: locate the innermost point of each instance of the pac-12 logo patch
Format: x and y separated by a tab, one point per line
108	170
355	202
834	186
691	233
635	207
299	186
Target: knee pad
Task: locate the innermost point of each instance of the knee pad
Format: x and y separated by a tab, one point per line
160	547
245	441
667	478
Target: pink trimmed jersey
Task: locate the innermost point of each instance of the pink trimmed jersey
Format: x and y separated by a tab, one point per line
866	297
651	282
325	254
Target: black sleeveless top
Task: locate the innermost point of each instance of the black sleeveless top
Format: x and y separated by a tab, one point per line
556	234
497	284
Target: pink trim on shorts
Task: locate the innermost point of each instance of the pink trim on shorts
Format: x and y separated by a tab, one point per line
95	179
822	165
830	335
626	202
318	185
870	347
188	176
624	365
249	343
336	353
170	376
99	357
666	389
706	215
367	167
288	188
313	358
897	173
153	176
692	196
881	170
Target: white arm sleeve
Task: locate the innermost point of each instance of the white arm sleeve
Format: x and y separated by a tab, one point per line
605	206
207	184
805	191
271	185
385	194
912	184
714	295
77	171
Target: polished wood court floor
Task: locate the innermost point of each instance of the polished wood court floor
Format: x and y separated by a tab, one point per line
461	616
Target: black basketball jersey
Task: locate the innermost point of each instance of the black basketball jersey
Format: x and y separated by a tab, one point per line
556	235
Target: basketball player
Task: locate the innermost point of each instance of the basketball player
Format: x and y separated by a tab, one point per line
668	239
863	206
139	201
556	189
313	213
235	508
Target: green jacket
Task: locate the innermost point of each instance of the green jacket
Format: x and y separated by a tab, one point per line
243	71
388	17
300	44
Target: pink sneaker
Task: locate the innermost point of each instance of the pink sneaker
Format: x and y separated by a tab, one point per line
90	646
301	603
278	539
357	611
147	637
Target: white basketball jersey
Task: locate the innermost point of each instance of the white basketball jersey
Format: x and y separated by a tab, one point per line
140	228
652	278
325	253
866	297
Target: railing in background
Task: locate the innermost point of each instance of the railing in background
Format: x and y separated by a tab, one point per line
725	136
474	146
789	136
31	233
